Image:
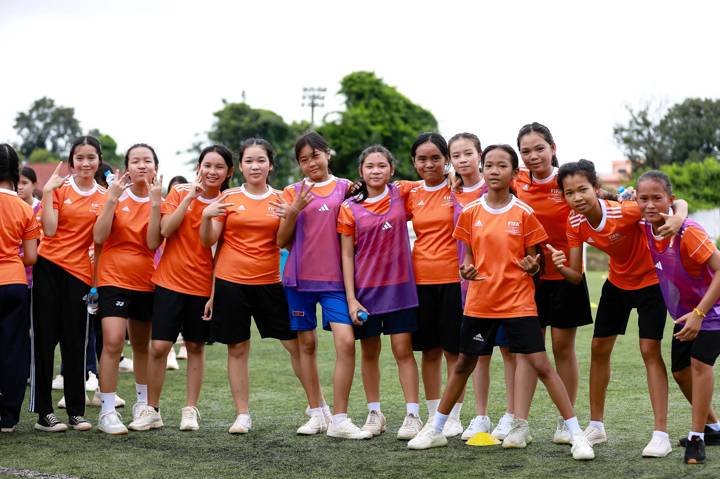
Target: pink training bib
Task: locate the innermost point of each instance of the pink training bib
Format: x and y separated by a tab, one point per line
682	292
314	262
384	278
457	209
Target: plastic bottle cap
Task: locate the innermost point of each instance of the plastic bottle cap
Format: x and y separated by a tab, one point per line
93	290
621	189
363	316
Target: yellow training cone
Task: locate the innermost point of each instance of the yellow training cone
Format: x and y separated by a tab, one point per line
483	439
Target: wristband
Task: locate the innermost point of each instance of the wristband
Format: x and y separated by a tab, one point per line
699	312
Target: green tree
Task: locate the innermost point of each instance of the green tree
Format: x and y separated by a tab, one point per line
374	113
41	155
641	139
109	149
696	182
691	129
46	126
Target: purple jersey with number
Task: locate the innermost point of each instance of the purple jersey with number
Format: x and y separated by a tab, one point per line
314	260
682	292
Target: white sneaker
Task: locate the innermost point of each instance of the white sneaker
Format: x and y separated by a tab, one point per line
125	365
453	427
375	423
95	401
182	352
562	433
148	418
347	430
242	424
502	429
427	437
61	402
411	426
478	424
137	409
595	435
316	425
92	382
326	412
519	435
657	447
111	423
172	360
190	417
58	383
581	448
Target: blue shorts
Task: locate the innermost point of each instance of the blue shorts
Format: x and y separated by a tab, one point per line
302	309
395	322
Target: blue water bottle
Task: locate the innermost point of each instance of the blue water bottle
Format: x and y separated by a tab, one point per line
363	316
92	301
625	194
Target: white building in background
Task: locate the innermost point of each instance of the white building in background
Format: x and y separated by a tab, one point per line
710	220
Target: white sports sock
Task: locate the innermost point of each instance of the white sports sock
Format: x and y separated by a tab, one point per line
413	408
245	416
573	426
714	427
338	418
374	406
439	421
661	434
598	425
507	417
432	405
701	435
141	392
455	412
107	402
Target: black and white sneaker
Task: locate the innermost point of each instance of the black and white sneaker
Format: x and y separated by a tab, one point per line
50	423
695	451
79	423
712	438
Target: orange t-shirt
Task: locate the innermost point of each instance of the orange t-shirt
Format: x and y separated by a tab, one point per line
622	237
499	237
186	266
249	253
70	245
17	223
551	209
434	253
346	220
469	193
696	248
126	261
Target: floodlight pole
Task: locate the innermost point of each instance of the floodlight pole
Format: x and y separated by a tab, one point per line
314	98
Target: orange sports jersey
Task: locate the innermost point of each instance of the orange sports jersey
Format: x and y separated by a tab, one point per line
125	260
434	253
346	221
622	237
696	248
70	245
551	209
498	238
249	253
186	266
469	193
17	223
321	189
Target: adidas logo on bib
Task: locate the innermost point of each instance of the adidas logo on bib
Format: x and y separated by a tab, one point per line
478	337
658	265
386	226
324	207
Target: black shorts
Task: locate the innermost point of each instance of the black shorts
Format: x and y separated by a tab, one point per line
704	348
439	317
562	304
479	335
614	311
235	303
175	312
395	322
125	303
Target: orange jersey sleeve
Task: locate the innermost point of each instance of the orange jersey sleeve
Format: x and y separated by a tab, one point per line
696	248
434	253
17	224
622	237
498	238
69	246
249	253
126	261
186	266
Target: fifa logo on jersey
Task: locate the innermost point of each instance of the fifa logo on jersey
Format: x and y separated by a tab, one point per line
615	237
94	206
386	226
324	207
513	227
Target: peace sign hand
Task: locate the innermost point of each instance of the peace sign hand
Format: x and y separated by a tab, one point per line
122	183
529	264
197	186
671	227
155	189
55	181
303	198
216	208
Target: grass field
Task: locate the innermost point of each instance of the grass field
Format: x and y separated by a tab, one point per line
277	402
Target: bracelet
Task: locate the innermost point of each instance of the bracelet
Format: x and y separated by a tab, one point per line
699	312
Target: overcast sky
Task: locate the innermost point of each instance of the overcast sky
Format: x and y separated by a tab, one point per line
154	71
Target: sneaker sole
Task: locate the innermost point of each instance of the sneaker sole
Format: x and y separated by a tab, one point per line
82	427
340	436
40	427
382	430
189	428
406	437
562	440
113	433
432	446
656	455
308	433
695	461
145	428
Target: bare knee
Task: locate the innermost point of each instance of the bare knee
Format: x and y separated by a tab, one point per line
113	344
160	349
239	350
371	349
650	350
465	364
601	349
682	376
307	344
194	348
345	346
432	355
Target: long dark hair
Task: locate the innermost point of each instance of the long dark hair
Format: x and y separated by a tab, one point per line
9	165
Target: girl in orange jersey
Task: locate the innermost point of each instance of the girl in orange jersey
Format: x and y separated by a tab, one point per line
18	228
62	276
380	285
183	283
465	152
562	305
247	275
430	205
124	279
632	284
502	238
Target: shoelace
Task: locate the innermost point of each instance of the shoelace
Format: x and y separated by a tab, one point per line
52	420
374	419
189	414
